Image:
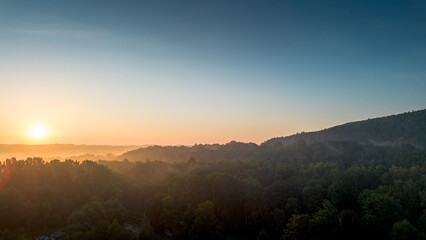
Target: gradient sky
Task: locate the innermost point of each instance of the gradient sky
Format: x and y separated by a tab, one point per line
185	72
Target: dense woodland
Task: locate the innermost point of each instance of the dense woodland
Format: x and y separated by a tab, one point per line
325	189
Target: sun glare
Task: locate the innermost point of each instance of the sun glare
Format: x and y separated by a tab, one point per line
37	132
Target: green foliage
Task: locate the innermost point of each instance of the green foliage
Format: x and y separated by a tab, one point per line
403	230
117	232
206	224
161	212
298	228
102	230
299	190
8	235
386	209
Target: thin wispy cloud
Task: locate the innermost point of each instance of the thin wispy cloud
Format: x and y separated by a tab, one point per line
81	34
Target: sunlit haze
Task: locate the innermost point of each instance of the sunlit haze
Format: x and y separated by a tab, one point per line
186	72
219	119
37	132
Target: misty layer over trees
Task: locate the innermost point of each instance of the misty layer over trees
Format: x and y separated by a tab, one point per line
62	151
309	188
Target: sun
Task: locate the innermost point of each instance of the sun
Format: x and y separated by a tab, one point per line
37	132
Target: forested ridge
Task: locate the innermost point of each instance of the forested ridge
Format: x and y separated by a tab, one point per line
405	128
304	189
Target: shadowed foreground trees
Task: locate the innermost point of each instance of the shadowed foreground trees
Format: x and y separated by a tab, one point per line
298	191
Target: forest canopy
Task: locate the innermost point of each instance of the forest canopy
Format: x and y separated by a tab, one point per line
293	192
304	189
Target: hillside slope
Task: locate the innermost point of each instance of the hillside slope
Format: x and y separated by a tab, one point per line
232	150
395	130
405	128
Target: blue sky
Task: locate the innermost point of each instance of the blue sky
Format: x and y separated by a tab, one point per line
181	72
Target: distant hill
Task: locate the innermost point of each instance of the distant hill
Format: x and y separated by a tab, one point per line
405	128
49	151
231	150
400	129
